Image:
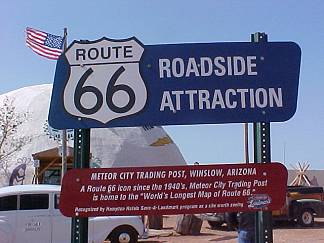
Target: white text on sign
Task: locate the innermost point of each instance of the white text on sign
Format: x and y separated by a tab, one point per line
206	66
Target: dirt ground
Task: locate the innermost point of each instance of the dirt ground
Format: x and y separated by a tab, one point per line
284	233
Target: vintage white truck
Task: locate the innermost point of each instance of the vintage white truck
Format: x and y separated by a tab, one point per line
30	214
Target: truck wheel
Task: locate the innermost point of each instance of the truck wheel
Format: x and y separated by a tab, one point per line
123	234
306	218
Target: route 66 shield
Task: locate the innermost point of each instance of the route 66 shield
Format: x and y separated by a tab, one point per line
104	82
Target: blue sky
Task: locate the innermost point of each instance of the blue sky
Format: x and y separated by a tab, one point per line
156	22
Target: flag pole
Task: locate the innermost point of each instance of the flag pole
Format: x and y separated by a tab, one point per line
64	139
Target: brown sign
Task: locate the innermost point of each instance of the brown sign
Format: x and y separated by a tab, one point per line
173	189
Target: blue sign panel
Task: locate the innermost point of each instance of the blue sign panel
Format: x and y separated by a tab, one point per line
110	83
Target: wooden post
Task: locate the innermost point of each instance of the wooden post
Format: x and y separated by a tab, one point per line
188	224
155	222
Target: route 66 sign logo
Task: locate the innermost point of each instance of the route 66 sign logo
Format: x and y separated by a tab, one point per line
104	81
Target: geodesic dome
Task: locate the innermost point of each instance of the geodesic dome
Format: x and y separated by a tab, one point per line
110	147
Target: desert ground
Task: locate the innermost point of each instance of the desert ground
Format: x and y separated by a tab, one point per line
284	233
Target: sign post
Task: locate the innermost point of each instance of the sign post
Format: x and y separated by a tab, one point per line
262	154
79	226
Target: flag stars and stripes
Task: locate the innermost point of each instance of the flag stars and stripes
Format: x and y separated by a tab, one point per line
54	41
44	44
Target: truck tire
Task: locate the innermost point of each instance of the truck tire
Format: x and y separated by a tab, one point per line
123	234
306	217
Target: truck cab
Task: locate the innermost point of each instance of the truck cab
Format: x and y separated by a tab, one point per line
30	214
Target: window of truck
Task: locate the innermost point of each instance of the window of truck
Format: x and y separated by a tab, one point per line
34	201
8	203
56	201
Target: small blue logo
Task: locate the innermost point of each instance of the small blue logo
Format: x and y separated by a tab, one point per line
259	201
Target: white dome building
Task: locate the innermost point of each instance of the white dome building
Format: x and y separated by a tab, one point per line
109	147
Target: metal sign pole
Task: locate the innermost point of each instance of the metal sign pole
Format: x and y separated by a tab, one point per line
64	140
79	227
262	154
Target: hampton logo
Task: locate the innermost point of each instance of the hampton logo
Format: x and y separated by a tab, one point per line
259	201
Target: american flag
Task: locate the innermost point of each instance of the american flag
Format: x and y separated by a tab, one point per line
44	44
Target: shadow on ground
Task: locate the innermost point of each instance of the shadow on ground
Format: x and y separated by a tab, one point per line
156	241
294	225
220	239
